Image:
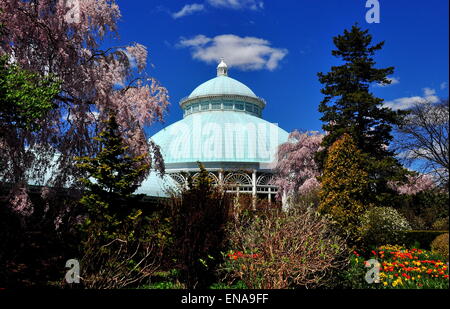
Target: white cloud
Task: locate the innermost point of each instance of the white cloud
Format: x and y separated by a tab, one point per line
429	92
444	85
429	95
237	4
393	80
245	53
199	40
188	9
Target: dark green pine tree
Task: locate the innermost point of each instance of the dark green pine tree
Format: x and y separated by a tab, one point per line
111	177
350	107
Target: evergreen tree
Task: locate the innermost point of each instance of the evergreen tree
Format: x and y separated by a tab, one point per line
350	107
345	185
123	242
111	178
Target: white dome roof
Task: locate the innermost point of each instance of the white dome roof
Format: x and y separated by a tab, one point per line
222	85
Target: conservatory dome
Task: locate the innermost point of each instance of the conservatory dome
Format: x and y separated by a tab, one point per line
222	123
223	128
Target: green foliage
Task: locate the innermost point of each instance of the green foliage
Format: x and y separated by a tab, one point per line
111	178
349	107
163	280
310	199
123	242
382	225
163	285
420	239
423	208
441	224
344	191
239	285
440	245
25	97
353	276
200	215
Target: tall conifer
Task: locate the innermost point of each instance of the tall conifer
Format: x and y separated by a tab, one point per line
350	107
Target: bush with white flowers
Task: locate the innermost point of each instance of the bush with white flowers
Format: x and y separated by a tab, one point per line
383	225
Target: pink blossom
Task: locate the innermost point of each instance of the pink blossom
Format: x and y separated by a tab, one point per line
93	81
20	202
310	185
414	184
296	169
139	53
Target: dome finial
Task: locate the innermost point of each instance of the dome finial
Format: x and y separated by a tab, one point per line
222	68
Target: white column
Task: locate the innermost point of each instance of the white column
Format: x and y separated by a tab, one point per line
220	177
270	195
220	184
284	201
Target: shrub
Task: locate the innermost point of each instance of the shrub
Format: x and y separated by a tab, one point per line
276	250
131	255
310	199
381	225
440	224
32	249
440	245
344	187
200	216
420	238
424	208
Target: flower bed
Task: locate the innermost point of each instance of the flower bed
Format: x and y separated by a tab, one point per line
402	268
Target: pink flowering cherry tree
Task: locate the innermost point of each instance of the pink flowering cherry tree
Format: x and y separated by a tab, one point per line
296	171
64	39
414	184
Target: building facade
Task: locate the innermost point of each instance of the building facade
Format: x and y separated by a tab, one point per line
223	128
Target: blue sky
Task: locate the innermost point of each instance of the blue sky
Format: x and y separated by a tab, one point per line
277	47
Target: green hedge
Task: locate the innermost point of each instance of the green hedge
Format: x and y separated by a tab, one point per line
421	238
